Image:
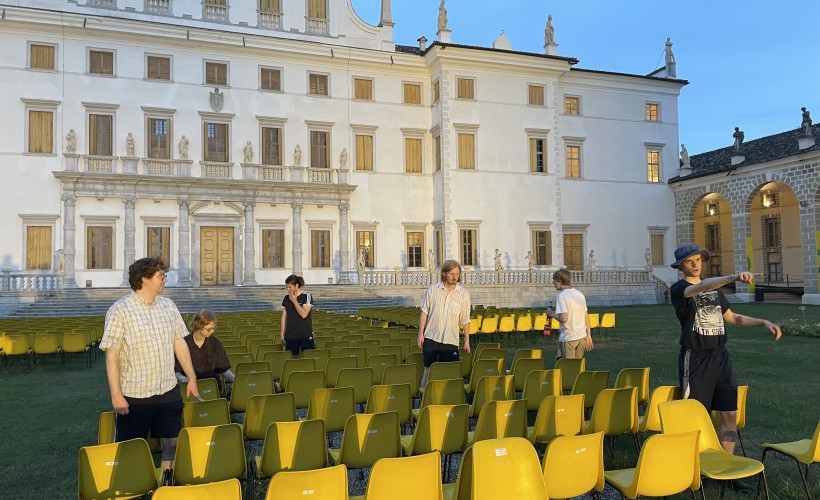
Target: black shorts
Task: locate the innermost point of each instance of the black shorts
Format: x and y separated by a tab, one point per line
295	346
435	351
708	378
161	414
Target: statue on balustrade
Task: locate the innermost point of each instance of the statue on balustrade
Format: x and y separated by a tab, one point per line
360	261
60	261
431	260
591	260
442	16
71	142
343	159
247	151
684	157
297	156
130	146
183	148
738	136
647	257
528	258
549	31
806	123
498	265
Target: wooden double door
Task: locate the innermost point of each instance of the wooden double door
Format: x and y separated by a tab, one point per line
216	256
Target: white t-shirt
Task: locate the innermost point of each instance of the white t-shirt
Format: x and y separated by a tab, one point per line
573	302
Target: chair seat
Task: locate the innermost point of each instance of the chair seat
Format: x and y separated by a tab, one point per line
720	465
620	478
797	449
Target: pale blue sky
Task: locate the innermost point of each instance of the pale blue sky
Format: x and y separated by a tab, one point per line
750	64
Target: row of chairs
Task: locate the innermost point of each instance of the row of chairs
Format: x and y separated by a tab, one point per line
25	347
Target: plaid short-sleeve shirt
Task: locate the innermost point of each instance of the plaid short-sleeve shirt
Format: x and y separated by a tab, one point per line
144	334
446	312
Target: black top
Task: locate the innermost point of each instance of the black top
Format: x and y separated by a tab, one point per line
296	327
701	318
208	360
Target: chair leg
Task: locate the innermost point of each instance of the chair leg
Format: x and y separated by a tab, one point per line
805	479
742	448
637	443
765	485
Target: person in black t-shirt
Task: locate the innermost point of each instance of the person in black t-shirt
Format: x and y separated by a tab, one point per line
297	325
704	365
207	354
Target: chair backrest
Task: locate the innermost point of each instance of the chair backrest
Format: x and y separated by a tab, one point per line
650	421
499	419
399	347
360	379
506	324
230	489
252	366
294	446
208	412
443	392
483	368
812	454
253	345
384	398
107	428
489	324
379	362
325	484
208	389
635	377
522	367
441	370
74	342
570	368
492	388
686	415
235	359
539	321
302	385
492	353
264	409
320	357
416	359
116	470
615	412
442	428
425	471
523	322
360	353
266	348
527	354
594	320
506	468
667	465
334	366
211	453
574	465
402	374
368	437
590	384
559	416
333	406
538	385
246	385
16	345
276	360
295	365
608	320
740	414
45	343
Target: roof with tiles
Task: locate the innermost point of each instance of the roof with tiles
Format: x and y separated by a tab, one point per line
766	149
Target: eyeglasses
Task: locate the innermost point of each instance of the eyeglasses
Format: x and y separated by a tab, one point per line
162	276
210	328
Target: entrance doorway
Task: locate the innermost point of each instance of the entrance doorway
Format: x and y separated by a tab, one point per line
216	255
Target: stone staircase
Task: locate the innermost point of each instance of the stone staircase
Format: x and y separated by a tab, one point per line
96	301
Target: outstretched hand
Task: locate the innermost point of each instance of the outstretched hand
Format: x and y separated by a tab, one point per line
747	277
773	329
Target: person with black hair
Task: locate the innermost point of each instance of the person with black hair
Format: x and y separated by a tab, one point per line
297	324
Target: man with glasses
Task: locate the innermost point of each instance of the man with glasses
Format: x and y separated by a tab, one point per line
143	333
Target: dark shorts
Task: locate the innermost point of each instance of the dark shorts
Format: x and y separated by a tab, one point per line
161	414
708	378
295	346
435	351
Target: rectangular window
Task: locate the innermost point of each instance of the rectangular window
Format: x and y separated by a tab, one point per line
656	248
318	84
364	152
317	9
40	131
363	89
38	247
320	248
159	68
573	161
572	105
273	248
465	88
574	252
535	95
437	145
216	142
412	93
319	150
270	6
270	79
99	250
468	246
436	91
713	237
159	143
158	240
366	242
216	73
651	112
771	231
466	151
41	56
271	146
538	159
412	155
100	62
100	129
542	248
415	249
653	165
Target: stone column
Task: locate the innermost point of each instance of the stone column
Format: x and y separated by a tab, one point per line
129	252
297	238
69	201
184	253
741	229
344	241
250	231
808	236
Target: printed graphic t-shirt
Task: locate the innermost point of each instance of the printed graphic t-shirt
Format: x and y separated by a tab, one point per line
701	318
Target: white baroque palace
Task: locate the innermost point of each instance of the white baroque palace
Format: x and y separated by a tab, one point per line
245	141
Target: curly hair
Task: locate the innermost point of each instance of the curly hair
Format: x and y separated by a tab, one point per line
202	319
145	268
562	276
295	280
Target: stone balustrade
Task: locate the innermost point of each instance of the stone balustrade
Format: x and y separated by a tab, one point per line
317	25
29	281
503	278
162	7
270	20
215	12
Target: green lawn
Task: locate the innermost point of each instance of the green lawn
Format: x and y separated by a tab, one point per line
50	412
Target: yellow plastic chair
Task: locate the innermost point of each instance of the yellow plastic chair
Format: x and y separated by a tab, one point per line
402	374
290	446
615	413
302	385
264	409
650	421
492	388
106	428
483	368
500	419
230	489
635	377
292	366
360	379
444	371
235	359
417	359
539	322
45	344
320	357
441	392
441	428
384	398
255	344
116	470
574	465
334	366
276	361
688	415
522	367
590	384
740	417
16	346
266	348
400	347
558	416
208	454
478	348
607	322
325	484
252	367
203	413
208	390
526	354
236	349
570	368
423	469
360	353
506	324
540	384
491	353
523	323
379	362
667	465
333	406
367	438
369	345
75	343
246	385
594	320
805	451
555	326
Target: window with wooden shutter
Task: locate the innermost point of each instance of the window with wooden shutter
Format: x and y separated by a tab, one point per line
41	56
542	248
656	245
40	131
366	242
159	68
363	89
364	152
158	242
318	84
412	155
536	95
216	73
572	105
574	252
320	248
319	151
270	79
317	9
99	249
437	152
100	141
100	62
216	142
468	247
270	6
573	158
415	249
412	93
159	138
436	91
465	88
273	248
466	151
538	158
271	146
38	247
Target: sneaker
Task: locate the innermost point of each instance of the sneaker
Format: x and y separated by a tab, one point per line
742	486
168	477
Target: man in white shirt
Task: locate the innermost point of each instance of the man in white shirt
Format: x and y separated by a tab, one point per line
571	313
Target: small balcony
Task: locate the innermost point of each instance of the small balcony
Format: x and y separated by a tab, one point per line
100	164
317	25
270	20
214	170
158	7
215	12
105	4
